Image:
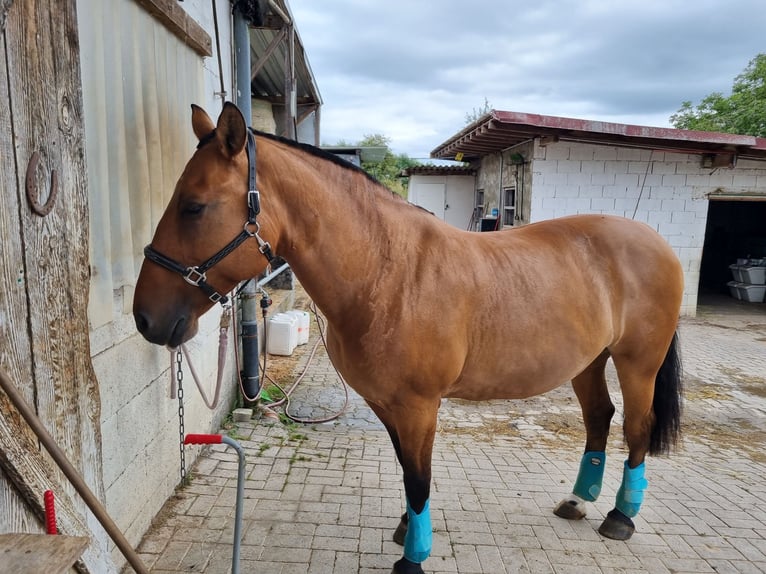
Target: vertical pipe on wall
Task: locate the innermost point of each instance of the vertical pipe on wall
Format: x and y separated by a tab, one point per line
290	103
250	345
242	63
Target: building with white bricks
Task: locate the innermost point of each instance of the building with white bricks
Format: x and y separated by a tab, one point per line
704	192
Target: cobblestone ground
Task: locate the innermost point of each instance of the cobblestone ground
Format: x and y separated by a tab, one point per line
325	498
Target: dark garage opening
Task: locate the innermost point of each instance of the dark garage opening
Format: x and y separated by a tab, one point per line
735	230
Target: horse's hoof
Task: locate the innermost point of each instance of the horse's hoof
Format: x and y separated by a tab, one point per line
401	530
571	508
404	566
617	526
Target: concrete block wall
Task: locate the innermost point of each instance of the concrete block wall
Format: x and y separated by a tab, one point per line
667	190
139	420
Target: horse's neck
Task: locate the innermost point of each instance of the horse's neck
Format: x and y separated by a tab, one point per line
337	233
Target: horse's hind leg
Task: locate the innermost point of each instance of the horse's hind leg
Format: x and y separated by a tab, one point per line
412	428
597	408
651	389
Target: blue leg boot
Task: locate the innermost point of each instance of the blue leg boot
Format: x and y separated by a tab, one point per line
618	524
587	486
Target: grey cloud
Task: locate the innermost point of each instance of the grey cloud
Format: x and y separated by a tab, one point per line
627	58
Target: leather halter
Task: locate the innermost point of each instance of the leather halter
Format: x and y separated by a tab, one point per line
196	275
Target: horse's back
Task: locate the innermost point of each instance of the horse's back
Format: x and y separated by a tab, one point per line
555	294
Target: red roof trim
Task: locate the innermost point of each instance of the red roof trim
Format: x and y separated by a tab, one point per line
630	130
500	130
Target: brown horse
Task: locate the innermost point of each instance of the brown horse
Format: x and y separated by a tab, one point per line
418	310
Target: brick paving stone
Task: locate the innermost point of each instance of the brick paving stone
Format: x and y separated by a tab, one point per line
328	503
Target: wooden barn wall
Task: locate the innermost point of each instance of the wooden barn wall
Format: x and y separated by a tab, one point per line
43	296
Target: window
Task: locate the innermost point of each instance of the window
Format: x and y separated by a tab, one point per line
509	205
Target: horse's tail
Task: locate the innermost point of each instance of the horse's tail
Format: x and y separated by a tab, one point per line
668	402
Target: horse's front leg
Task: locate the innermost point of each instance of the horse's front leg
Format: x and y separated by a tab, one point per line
412	427
597	409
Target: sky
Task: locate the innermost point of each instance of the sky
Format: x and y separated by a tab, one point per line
412	69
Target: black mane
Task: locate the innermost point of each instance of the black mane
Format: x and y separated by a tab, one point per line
310	149
316	152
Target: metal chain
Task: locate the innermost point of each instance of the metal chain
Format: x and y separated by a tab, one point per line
181	431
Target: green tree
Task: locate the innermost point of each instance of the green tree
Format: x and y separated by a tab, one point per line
388	170
743	112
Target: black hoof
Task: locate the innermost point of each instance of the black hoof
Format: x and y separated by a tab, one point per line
401	530
404	566
617	526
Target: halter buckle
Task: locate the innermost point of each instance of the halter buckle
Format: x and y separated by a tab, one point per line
216	297
194	276
253	203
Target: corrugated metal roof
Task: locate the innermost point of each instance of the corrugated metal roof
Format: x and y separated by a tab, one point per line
371	154
269	82
438	170
499	130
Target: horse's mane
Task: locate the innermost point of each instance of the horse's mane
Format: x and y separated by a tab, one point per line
310	149
316	152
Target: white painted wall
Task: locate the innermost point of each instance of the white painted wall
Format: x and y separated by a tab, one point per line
449	197
667	190
139	421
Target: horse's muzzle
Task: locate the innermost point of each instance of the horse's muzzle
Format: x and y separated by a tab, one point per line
166	333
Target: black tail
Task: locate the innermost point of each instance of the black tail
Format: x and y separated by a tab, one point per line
668	402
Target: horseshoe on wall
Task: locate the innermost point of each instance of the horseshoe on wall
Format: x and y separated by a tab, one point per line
31	184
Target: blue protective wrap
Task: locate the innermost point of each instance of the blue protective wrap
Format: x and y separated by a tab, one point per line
591	474
418	540
631	493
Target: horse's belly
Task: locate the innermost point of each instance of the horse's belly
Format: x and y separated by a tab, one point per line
511	388
517	377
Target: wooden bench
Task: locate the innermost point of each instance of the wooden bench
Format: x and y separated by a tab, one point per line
37	553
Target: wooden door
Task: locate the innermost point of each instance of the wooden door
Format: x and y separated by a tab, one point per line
44	345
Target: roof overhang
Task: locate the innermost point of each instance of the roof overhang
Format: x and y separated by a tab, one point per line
438	170
273	34
500	130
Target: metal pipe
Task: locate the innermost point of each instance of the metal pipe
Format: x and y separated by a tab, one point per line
270	276
279	12
72	475
242	64
249	335
218	439
240	501
250	347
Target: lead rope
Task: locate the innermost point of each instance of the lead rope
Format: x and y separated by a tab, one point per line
223	342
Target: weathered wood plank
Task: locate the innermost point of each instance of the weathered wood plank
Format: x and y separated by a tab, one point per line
16	513
36	553
175	19
45	110
15	352
48	257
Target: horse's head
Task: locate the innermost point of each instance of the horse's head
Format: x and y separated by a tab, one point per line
207	240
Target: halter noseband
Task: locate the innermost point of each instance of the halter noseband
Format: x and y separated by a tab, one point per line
195	275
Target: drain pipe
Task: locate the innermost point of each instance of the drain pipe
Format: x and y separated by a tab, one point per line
250	346
73	475
249	322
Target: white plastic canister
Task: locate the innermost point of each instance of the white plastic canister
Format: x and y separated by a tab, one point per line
304	321
282	336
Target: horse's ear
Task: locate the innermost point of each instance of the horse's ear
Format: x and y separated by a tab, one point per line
231	130
201	122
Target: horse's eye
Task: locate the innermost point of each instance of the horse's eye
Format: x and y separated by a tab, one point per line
193	208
